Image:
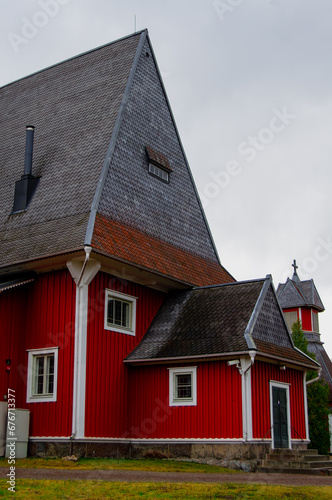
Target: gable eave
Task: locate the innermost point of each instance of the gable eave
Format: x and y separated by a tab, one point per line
184	359
253	318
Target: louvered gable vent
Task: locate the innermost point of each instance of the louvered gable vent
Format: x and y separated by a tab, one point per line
158	164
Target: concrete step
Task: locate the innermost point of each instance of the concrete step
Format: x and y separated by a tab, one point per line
295	464
285	451
296	458
318	458
323	471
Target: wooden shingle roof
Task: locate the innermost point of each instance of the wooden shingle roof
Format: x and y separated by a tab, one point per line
99	119
223	320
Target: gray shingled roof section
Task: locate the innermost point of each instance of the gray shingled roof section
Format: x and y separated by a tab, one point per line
74	106
305	293
270	325
309	291
203	321
289	296
170	212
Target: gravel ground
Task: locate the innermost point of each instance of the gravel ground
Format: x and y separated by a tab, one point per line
171	477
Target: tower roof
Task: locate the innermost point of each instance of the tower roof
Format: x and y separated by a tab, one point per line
297	293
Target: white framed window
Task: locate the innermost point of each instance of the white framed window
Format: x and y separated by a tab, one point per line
120	312
42	375
183	386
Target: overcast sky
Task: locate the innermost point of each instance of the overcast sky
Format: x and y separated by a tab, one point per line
250	85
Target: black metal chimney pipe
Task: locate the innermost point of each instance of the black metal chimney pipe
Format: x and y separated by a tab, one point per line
30	130
27	185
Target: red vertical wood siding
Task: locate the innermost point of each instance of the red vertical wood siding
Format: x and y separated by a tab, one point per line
306	319
261	375
218	413
12	339
107	378
34	316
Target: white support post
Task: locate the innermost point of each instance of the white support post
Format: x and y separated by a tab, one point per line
245	371
83	273
306	417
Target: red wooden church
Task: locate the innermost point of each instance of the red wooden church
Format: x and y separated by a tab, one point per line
120	330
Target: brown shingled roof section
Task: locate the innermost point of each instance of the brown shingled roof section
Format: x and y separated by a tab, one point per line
284	352
131	245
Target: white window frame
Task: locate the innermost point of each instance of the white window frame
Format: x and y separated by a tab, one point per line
124	298
282	385
173	400
32	354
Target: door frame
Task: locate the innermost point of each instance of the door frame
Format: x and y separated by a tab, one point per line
286	386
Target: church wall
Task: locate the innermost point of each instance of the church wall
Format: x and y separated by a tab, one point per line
217	415
262	374
36	316
107	381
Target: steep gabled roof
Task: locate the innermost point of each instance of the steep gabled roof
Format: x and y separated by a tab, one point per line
221	320
299	294
74	107
96	118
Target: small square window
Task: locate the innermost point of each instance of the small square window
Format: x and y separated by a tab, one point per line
182	386
120	312
42	375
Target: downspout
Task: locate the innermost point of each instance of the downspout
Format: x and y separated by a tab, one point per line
252	355
315	379
87	250
246	397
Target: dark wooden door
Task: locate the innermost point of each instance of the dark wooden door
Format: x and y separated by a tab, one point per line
280	423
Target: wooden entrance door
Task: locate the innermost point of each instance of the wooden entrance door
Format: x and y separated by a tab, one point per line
280	420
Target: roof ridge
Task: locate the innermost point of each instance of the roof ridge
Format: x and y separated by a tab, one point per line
228	284
113	141
255	313
89	51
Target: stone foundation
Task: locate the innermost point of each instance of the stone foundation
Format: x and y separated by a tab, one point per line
243	456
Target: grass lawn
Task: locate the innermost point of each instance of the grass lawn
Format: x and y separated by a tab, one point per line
30	489
109	463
